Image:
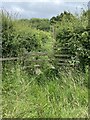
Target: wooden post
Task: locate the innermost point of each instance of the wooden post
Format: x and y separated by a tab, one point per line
89	63
53	31
89	90
54	34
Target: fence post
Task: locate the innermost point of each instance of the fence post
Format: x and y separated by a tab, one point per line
89	63
89	90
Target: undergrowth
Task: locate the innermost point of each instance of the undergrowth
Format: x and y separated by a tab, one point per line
65	96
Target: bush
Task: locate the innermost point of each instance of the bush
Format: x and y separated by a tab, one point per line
73	35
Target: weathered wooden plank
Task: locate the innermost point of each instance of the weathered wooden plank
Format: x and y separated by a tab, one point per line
36	66
49	60
64	64
9	59
36	53
62	49
25	59
62	55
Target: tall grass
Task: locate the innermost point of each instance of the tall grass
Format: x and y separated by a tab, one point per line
65	96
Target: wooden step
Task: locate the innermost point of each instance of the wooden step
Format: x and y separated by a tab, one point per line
62	55
64	64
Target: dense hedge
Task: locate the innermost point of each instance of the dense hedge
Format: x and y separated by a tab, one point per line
72	32
19	38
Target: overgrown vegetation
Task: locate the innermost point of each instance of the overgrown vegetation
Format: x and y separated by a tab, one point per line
65	96
55	91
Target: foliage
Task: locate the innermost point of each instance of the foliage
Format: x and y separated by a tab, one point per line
41	24
72	33
7	34
29	97
22	36
48	91
63	16
18	38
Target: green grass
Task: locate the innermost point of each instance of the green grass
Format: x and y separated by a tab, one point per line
25	97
